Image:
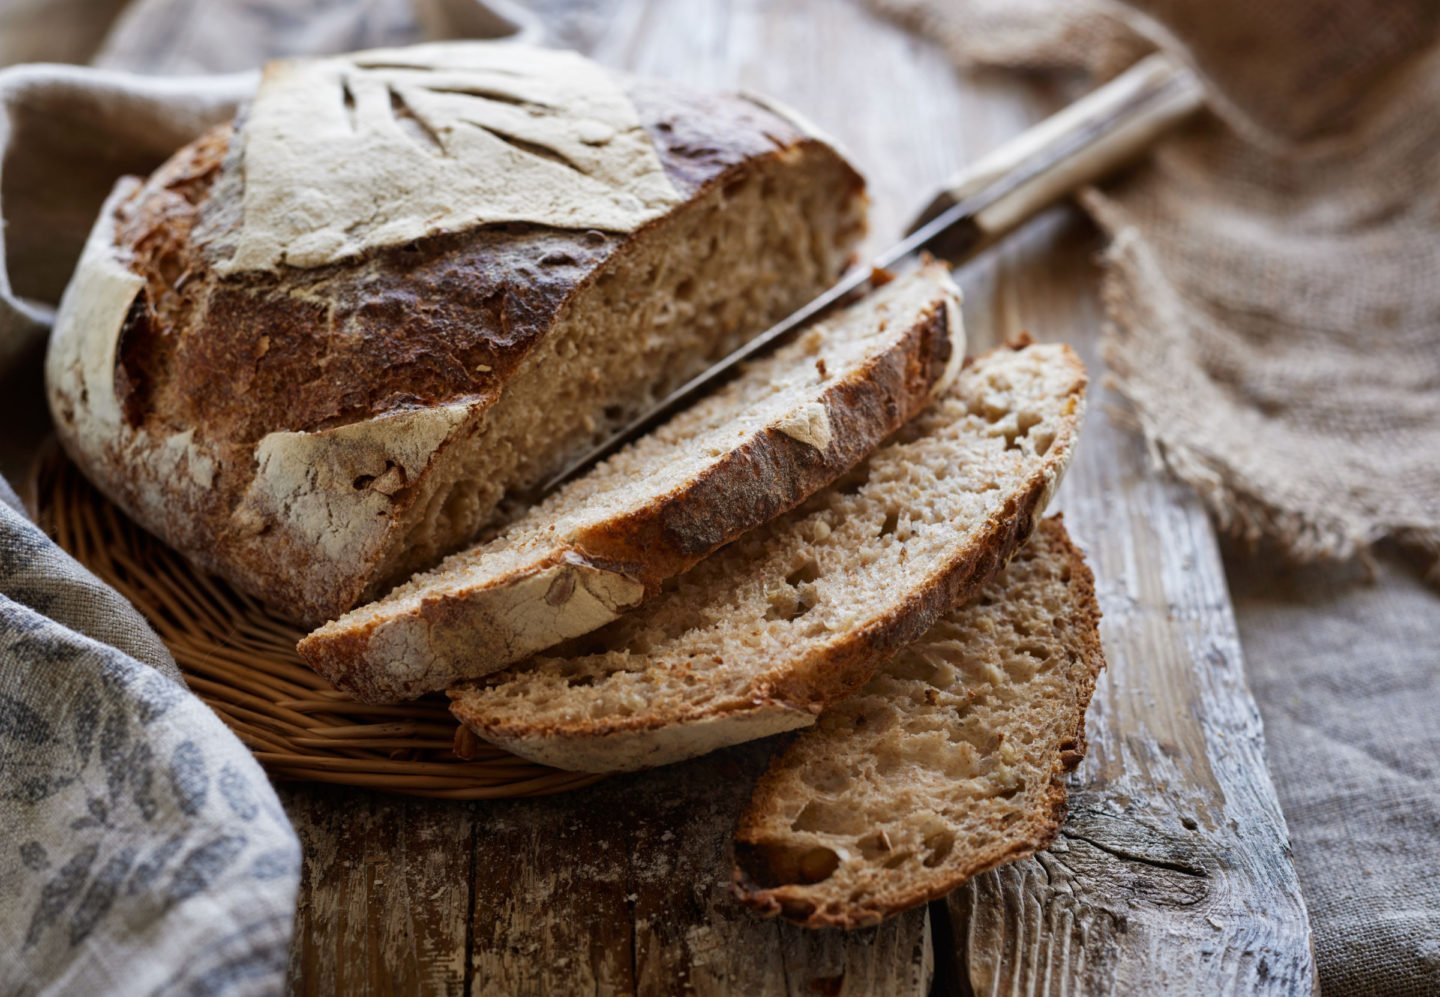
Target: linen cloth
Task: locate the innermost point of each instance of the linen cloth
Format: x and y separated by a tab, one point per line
1272	288
142	849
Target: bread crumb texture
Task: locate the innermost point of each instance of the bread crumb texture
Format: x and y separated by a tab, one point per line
949	762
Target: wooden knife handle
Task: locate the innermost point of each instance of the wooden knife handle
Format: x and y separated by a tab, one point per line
1078	145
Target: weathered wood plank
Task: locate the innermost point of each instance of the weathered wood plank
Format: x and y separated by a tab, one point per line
385	894
622	888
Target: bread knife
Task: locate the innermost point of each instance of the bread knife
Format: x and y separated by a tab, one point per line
1078	145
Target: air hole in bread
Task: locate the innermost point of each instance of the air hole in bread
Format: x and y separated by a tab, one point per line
685	290
1024	422
891	524
771	864
897	860
831	780
786	605
797	909
818	864
851	483
362	482
459	506
1009	792
874	845
805	574
938	845
824	817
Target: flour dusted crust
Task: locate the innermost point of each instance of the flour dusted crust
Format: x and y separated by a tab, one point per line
810	425
357	152
80	373
315	433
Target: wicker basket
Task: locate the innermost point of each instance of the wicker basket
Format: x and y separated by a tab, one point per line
241	660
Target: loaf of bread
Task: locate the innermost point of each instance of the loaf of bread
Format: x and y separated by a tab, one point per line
798	614
789	425
320	347
949	762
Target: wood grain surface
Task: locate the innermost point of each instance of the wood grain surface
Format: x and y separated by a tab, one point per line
1172	874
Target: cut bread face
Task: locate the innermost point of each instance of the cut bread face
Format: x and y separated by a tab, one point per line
950	761
798	614
786	427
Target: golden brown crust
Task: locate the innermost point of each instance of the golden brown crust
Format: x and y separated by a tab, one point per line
774	472
797	902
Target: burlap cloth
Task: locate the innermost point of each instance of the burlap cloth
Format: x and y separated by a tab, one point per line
1273	289
1272	277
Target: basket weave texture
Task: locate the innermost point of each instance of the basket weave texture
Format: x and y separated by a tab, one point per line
240	659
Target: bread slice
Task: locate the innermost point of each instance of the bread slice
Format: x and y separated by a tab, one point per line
797	615
787	427
949	762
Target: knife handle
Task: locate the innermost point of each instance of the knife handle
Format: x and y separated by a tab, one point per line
1078	145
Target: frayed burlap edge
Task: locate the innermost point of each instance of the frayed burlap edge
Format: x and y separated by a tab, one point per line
1304	532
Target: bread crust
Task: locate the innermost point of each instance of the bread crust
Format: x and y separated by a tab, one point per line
315	416
829	673
798	902
761	478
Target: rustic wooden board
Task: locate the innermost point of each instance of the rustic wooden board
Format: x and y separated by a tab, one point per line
1172	874
617	889
385	895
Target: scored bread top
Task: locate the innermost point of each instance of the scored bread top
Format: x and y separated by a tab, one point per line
949	762
349	153
787	426
796	615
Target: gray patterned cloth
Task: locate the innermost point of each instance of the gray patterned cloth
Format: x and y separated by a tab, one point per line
142	849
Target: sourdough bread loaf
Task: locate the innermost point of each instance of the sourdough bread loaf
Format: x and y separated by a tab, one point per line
787	426
319	347
950	761
793	617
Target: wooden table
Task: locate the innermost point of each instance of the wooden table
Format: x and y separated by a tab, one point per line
1172	873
